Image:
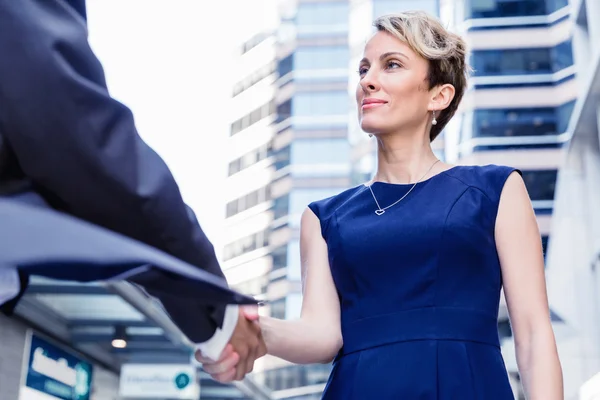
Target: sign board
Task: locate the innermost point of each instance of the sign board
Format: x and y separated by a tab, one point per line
159	381
52	373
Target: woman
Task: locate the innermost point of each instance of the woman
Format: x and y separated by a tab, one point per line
402	276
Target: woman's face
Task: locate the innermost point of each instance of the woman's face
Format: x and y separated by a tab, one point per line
393	94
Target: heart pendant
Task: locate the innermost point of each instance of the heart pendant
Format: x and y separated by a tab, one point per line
379	212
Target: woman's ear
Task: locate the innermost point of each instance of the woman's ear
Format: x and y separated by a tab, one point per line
442	97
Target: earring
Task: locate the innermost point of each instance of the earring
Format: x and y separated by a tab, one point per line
433	121
370	135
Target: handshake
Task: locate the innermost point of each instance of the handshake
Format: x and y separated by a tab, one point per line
244	348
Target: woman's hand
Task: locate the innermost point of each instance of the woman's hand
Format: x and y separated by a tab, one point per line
232	365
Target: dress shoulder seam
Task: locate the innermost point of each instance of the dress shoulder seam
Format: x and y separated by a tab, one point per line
471	186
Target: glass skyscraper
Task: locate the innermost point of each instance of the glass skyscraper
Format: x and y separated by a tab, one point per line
573	261
288	148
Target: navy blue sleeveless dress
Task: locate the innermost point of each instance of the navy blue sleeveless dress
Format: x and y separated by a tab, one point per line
419	288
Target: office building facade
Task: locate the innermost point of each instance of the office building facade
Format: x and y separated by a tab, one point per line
574	247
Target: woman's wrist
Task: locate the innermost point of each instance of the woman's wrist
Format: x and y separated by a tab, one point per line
266	327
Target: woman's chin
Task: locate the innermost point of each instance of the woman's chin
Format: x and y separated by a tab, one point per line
371	129
370	126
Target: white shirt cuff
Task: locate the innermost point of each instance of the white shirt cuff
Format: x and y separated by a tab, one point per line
10	284
214	346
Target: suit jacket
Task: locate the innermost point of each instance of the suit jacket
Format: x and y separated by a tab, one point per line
72	165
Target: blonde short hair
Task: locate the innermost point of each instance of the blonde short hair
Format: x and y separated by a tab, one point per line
445	51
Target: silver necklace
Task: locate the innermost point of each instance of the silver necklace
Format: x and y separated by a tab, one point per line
380	210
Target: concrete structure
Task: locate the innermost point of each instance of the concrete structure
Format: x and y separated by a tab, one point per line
574	247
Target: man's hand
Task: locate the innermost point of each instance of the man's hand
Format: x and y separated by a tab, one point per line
245	347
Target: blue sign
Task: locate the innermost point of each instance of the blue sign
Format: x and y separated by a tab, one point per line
56	372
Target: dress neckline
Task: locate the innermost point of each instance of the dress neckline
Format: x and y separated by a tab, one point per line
367	184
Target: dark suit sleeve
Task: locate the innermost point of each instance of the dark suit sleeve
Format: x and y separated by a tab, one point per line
80	147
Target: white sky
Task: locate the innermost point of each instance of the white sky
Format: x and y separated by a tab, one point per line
170	61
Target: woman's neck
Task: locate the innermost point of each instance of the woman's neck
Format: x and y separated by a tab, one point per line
404	159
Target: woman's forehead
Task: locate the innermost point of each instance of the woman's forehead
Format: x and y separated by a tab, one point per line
382	42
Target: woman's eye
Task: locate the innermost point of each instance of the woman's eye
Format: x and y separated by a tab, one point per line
393	65
362	71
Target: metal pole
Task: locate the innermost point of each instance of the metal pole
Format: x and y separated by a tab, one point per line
145	305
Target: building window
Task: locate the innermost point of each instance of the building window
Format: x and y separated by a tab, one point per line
545	246
249	159
321	57
246	244
511	8
522	61
281	207
253	117
320	103
277	308
254	78
563	116
323	13
282	158
541	184
285	65
507	122
279	257
320	151
284	111
504	329
248	201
